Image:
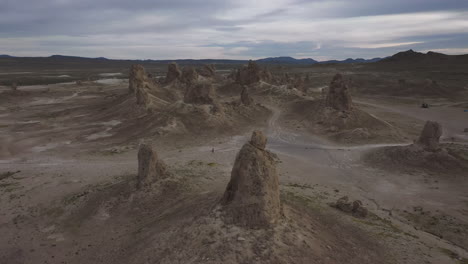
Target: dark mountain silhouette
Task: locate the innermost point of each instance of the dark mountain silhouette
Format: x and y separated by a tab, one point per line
270	60
411	57
286	60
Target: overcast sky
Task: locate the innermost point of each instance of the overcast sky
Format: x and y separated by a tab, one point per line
234	29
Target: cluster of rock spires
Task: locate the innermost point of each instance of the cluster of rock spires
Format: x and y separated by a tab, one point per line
194	85
194	91
252	73
141	85
173	72
252	197
200	93
188	75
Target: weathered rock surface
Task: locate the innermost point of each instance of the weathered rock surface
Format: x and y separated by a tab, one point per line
150	167
338	96
245	97
200	93
173	72
355	208
189	75
208	70
252	197
137	78
251	74
430	135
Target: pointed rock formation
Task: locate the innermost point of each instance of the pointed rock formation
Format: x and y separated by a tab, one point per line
298	83
189	75
249	74
142	97
173	72
150	167
245	97
137	78
430	135
141	85
338	96
252	197
208	70
200	93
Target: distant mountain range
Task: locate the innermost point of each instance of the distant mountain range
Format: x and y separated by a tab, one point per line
401	59
412	56
271	60
290	60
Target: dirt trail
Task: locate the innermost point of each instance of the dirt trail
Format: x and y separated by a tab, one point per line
447	115
311	160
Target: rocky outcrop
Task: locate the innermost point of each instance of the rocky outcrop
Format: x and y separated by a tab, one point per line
430	135
299	83
251	74
245	97
208	71
338	96
252	197
150	168
355	208
189	75
173	72
142	86
200	93
137	78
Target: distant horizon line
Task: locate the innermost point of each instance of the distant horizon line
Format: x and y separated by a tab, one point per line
264	58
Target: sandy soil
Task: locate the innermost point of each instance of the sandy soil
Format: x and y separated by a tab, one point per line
65	195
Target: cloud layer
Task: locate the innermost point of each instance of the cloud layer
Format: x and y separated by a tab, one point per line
170	29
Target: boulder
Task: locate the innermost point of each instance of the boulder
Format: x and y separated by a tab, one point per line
355	208
199	93
359	210
245	97
430	135
344	205
173	72
150	168
252	197
338	96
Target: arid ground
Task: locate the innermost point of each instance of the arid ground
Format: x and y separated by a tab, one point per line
68	166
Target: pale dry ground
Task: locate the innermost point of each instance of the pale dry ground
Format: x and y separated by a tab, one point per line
55	161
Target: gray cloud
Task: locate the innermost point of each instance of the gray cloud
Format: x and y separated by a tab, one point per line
232	28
